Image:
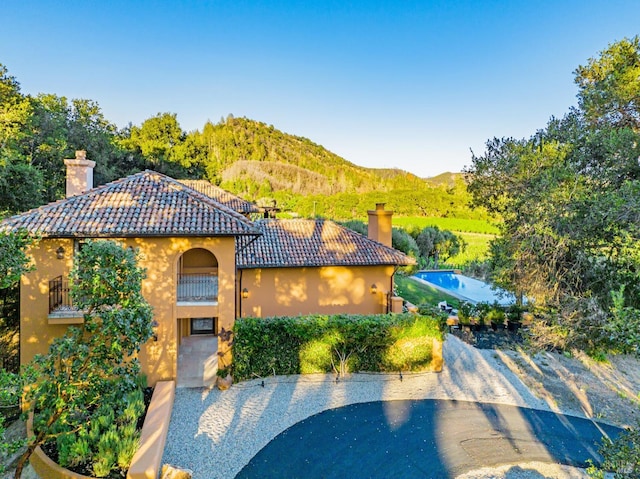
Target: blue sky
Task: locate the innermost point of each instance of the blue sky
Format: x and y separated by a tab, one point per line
407	84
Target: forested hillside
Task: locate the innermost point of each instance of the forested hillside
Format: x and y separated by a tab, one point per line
247	157
444	179
262	163
256	152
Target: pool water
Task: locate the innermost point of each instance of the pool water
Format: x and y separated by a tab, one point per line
465	288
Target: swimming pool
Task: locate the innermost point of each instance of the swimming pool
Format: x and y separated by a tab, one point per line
465	288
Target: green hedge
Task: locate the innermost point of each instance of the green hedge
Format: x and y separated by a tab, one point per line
321	344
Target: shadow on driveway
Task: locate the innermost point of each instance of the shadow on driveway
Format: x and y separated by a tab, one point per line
424	438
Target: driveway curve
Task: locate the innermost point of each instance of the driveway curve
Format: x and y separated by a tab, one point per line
424	439
217	433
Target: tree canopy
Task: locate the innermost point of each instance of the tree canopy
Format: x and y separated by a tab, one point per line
569	195
609	85
246	157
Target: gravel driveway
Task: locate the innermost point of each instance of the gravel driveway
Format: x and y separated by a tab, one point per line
216	433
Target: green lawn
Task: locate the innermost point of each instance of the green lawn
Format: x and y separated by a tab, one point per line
419	293
477	248
476	233
451	224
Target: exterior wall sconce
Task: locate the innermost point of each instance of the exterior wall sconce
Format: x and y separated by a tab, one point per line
374	289
245	293
60	253
155	325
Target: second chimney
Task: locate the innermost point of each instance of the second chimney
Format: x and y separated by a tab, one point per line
380	225
79	174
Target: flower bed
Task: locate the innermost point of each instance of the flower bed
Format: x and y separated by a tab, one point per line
146	461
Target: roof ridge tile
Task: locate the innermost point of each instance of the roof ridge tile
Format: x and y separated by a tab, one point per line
144	203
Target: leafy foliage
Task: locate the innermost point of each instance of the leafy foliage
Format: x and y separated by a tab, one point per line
475	234
160	144
20	187
13	257
10	390
93	365
569	198
427	245
11	386
620	456
623	326
13	263
609	86
314	344
435	244
403	241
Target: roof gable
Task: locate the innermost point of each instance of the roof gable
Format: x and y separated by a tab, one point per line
144	204
299	243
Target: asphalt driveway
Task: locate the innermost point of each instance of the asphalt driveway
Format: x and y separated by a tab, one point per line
476	412
424	439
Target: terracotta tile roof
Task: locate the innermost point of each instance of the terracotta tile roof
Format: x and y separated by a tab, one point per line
144	204
222	196
297	243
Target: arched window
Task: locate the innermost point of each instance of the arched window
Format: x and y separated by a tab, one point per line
198	276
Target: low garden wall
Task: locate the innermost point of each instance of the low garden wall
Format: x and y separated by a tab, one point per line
147	461
339	343
45	467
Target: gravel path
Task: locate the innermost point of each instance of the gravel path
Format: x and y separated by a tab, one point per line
216	433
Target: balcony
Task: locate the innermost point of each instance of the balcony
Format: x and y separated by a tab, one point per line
61	308
197	288
59	295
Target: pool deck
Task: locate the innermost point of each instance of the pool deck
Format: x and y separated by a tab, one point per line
475	287
444	290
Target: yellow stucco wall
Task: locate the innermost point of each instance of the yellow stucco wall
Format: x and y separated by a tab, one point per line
159	256
272	292
35	332
326	290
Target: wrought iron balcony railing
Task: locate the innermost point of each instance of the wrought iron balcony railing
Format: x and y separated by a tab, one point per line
197	287
191	288
59	295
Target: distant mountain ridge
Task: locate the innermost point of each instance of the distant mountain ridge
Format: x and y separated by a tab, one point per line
262	164
250	155
445	179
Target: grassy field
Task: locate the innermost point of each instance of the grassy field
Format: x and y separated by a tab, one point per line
419	293
477	248
476	233
451	224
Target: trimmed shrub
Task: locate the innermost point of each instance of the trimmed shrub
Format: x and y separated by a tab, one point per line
496	316
339	343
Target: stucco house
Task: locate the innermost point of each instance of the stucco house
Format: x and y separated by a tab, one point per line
206	262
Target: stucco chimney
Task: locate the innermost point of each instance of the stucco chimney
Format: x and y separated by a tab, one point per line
79	174
380	225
